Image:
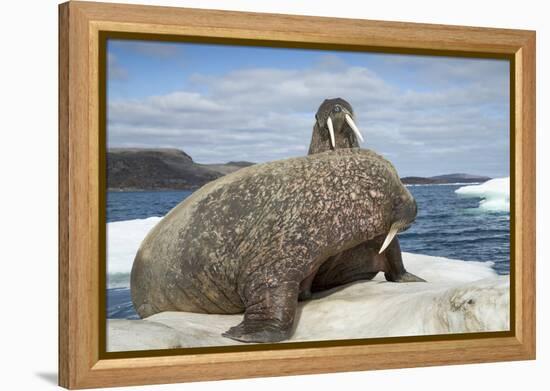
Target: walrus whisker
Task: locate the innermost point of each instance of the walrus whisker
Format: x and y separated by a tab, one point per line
353	127
393	231
331	131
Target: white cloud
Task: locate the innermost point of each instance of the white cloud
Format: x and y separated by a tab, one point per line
262	114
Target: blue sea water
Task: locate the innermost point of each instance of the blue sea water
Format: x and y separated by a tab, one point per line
131	205
446	226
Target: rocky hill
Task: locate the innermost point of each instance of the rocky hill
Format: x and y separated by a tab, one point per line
161	169
442	179
173	169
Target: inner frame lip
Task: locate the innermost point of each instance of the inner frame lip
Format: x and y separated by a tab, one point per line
105	35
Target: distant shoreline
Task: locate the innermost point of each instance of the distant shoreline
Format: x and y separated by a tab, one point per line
165	169
443	184
160	190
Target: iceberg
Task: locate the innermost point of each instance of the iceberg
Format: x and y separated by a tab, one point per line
494	194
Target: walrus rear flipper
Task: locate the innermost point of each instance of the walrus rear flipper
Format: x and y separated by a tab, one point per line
269	315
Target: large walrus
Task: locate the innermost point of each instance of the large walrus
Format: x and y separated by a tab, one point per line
335	128
254	240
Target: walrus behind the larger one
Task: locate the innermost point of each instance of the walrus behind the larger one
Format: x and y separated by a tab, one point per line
253	240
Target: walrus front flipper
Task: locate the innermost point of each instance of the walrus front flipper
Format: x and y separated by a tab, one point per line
409	277
269	314
395	271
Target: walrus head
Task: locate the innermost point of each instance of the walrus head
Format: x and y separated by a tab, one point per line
334	127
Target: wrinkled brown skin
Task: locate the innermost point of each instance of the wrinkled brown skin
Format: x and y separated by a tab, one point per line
251	240
363	261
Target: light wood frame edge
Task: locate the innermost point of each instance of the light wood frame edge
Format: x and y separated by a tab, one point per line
79	364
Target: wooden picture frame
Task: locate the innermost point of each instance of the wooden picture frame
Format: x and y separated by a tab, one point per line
83	25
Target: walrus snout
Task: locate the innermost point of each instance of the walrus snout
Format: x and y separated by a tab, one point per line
411	218
404	214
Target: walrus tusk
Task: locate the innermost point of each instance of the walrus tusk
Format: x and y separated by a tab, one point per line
331	131
353	127
393	231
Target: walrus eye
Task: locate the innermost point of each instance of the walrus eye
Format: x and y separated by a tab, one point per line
337	109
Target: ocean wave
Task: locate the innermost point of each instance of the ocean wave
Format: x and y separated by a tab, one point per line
118	280
494	194
450	234
119	304
433	216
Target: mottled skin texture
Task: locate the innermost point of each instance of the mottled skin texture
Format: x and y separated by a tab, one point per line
363	261
251	240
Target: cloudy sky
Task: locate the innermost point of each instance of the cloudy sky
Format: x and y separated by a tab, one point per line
428	115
